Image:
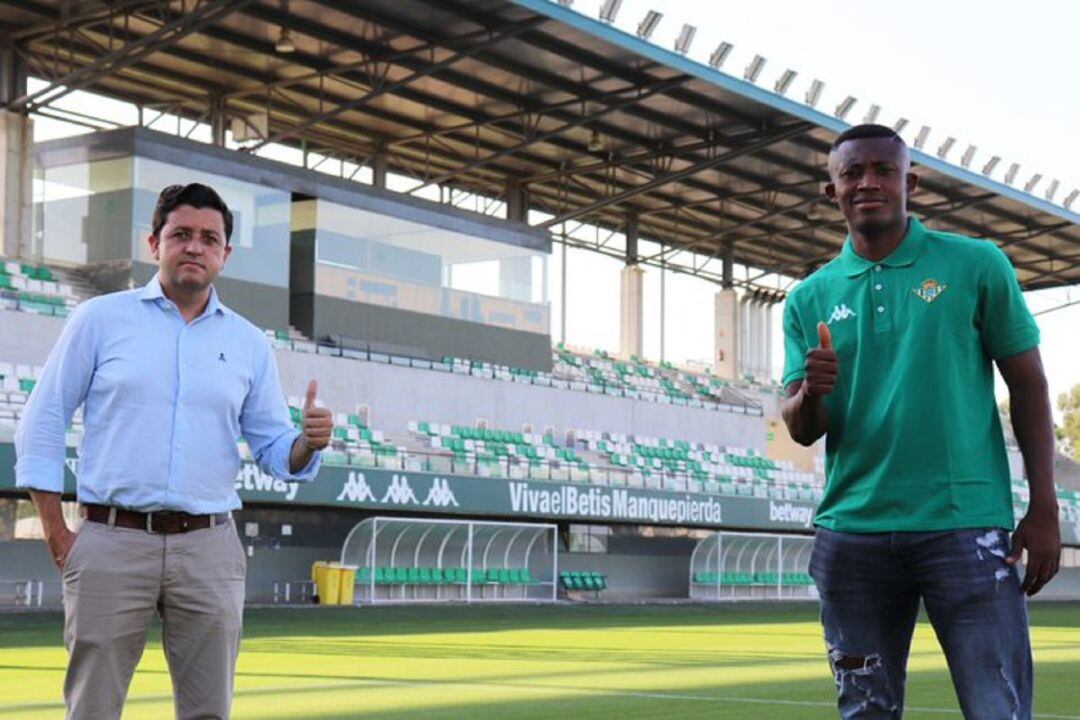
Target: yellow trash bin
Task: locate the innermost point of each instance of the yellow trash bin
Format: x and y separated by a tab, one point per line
318	576
347	590
327	577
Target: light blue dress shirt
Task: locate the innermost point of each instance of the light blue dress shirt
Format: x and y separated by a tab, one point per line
164	402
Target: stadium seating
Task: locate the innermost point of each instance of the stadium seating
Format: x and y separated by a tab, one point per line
35	289
573	455
752	579
574	581
581	456
444	576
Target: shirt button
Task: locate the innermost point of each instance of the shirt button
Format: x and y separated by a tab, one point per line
877	268
878	286
881	308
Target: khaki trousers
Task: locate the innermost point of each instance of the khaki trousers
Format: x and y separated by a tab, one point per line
115	579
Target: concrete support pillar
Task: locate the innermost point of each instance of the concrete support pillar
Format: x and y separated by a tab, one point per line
753	331
16	159
378	170
767	370
16	178
762	339
744	337
726	335
631	315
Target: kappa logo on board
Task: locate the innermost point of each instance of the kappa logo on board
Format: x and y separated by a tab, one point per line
400	492
356	489
440	494
840	312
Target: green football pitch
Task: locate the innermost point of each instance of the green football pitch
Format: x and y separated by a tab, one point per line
566	662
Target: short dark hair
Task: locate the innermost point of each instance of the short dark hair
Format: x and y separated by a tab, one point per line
866	131
197	196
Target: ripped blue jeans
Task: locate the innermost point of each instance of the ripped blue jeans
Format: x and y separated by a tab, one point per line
870	586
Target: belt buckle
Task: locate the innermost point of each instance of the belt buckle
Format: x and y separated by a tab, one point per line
150	523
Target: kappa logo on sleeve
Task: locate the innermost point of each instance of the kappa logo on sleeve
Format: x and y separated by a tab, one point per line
840	312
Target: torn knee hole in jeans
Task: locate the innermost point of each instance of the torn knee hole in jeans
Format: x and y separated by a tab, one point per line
858	664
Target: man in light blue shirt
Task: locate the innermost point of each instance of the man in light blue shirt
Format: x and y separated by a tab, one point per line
168	378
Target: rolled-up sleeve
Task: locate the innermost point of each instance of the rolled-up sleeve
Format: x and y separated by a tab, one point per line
265	423
40	446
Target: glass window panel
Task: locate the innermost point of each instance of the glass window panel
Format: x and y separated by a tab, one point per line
397	262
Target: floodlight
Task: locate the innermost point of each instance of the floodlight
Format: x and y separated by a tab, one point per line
785	81
990	165
716	60
1032	182
1070	199
872	114
1052	190
920	139
596	143
646	27
814	93
945	147
284	43
899	125
966	158
1010	174
754	68
686	36
845	107
609	10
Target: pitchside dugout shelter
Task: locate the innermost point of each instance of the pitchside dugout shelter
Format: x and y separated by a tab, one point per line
487	134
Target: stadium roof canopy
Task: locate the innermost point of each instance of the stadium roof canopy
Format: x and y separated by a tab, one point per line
515	99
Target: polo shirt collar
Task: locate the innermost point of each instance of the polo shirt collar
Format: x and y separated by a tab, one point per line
153	291
905	254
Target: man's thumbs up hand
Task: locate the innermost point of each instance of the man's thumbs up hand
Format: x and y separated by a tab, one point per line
821	365
318	421
823	333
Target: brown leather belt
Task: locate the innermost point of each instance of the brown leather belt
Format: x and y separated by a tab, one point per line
165	522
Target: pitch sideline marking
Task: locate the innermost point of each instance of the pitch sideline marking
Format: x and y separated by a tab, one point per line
511	686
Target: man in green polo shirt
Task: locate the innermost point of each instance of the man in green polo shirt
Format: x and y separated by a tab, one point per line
890	353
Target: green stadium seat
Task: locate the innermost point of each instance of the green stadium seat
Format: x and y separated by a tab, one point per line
413	576
437	576
425	576
599	580
526	576
401	575
384	575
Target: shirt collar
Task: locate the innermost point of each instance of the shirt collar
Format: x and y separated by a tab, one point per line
905	254
153	291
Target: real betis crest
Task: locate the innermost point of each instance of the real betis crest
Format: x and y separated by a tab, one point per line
930	290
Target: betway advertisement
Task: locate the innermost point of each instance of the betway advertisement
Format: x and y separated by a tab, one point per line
403	492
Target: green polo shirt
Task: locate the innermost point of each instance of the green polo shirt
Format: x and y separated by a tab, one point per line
914	441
